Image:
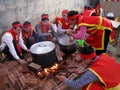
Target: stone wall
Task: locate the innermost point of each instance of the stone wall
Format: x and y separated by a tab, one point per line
22	10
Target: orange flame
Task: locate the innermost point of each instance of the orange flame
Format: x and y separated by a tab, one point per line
47	71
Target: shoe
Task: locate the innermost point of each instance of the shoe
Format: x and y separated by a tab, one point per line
118	55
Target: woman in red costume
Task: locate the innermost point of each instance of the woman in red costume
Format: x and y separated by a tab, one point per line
99	29
62	23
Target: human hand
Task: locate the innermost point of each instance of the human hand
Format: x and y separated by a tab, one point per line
61	78
21	61
69	31
27	50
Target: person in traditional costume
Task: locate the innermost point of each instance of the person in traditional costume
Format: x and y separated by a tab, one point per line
99	75
99	10
88	11
29	35
45	29
12	43
62	23
99	29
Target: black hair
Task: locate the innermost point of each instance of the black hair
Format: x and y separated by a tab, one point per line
26	23
72	12
93	14
43	19
86	50
85	7
16	22
44	14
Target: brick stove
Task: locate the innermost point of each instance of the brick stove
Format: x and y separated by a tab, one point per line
14	76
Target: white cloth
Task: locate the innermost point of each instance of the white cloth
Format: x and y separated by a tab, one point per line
115	24
60	30
7	39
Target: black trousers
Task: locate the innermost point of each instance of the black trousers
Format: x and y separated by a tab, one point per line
106	41
6	50
29	42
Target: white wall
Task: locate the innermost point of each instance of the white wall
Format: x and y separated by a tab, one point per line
21	10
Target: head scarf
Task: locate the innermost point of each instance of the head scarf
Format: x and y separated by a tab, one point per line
65	12
44	17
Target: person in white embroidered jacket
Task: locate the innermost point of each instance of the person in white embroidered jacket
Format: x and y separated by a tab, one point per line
12	42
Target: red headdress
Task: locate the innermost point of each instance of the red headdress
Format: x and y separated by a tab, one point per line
27	25
73	17
16	25
88	56
44	17
65	12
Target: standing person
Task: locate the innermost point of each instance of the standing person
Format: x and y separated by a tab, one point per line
100	30
29	35
62	23
88	11
12	43
45	30
99	75
99	10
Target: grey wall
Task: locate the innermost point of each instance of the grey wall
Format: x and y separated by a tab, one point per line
21	10
111	7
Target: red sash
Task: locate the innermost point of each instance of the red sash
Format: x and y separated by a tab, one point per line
45	29
16	39
26	35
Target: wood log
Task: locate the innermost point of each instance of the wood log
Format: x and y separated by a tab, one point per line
7	71
11	78
31	81
17	73
35	67
22	79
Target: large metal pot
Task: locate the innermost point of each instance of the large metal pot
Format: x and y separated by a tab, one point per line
66	46
43	53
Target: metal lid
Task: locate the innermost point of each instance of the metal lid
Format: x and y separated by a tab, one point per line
42	47
65	40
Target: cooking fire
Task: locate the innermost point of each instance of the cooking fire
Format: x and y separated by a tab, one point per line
48	71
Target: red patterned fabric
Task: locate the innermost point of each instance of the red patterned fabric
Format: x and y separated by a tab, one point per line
16	38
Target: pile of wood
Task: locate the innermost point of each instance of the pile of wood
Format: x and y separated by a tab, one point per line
14	76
